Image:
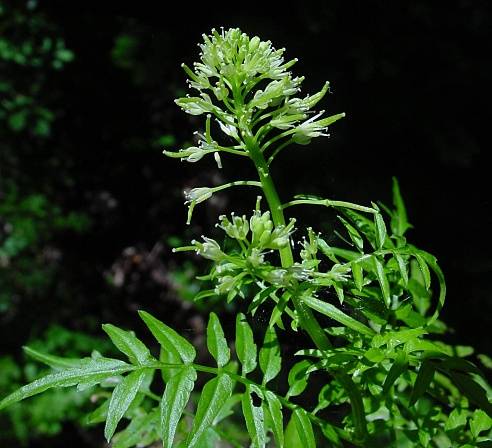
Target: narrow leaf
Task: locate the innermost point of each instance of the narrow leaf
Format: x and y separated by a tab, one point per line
334	313
358	275
142	429
275	410
174	400
94	370
383	281
245	345
270	359
122	396
473	391
399	366
355	398
354	234
169	339
402	266
55	362
253	415
304	428
216	342
400	225
298	377
380	230
128	344
424	269
423	380
214	394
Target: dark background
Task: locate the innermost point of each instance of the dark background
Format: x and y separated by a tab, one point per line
413	78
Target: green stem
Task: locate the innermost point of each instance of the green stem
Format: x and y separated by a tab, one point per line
306	317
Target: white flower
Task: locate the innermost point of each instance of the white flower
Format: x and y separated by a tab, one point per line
198	194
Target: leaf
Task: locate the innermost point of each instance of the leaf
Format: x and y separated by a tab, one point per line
169	339
253	415
399	224
99	414
129	344
383	281
358	275
275	410
55	362
142	429
480	422
402	266
355	399
304	428
423	380
354	234
380	230
472	390
214	394
399	366
216	342
245	345
424	269
122	397
174	400
270	359
334	313
94	370
298	377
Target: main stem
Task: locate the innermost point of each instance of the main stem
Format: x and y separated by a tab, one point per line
307	319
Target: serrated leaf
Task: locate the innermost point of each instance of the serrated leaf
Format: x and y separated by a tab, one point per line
174	400
304	428
169	339
254	418
94	370
398	367
245	345
214	394
122	397
334	313
298	378
423	380
270	358
480	422
55	362
383	281
380	230
127	343
358	274
216	342
275	410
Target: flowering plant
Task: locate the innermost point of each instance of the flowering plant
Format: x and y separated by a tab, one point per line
365	308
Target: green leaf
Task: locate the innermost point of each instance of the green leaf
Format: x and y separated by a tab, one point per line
94	370
472	390
129	344
214	394
399	224
424	269
99	414
402	266
304	428
298	378
122	397
354	234
141	430
245	345
216	342
270	359
334	313
423	380
380	230
456	420
275	410
480	422
55	362
174	400
383	281
169	339
399	366
253	415
358	275
355	399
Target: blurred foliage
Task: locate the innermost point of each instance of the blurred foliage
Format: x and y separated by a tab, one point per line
45	416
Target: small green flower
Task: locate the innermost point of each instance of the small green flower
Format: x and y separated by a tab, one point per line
209	249
237	229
